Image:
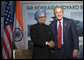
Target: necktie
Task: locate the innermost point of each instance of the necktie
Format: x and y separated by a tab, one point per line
59	37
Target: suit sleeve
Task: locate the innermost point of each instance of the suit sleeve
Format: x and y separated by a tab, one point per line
74	34
52	36
34	38
51	33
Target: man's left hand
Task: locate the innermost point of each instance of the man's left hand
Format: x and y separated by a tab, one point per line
75	53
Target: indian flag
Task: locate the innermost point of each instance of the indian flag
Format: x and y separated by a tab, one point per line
18	35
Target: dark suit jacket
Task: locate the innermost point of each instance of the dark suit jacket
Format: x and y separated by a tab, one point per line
70	35
39	34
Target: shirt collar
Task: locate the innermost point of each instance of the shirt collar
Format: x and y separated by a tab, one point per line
61	20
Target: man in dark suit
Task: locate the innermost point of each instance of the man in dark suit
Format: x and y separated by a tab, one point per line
41	36
65	36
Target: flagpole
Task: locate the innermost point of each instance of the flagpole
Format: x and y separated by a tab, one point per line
13	11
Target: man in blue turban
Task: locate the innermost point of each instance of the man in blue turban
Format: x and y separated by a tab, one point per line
40	16
41	37
38	13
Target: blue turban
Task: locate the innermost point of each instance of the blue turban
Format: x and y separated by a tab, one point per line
38	13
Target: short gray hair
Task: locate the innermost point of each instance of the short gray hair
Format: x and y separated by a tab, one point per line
56	8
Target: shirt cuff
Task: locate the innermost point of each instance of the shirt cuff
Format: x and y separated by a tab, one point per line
46	43
76	49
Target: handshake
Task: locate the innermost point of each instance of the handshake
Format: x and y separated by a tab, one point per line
51	44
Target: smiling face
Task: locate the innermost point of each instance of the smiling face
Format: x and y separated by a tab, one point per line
42	18
58	12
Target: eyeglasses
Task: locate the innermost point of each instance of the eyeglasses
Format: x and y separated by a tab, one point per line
42	17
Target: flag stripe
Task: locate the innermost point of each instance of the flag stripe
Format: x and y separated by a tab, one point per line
11	26
19	44
7	43
19	15
9	30
8	36
6	40
6	50
4	54
17	23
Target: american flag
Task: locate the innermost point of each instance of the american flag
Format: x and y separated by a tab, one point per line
8	29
